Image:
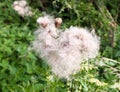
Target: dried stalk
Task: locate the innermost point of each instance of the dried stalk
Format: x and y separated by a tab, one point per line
107	15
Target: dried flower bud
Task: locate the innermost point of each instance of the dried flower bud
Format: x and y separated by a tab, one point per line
58	22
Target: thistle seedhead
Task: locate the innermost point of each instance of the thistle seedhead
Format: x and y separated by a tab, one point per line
22	8
65	53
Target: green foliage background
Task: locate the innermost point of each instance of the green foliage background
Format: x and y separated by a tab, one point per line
22	71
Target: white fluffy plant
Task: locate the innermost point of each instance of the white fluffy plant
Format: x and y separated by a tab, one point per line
22	8
64	52
46	36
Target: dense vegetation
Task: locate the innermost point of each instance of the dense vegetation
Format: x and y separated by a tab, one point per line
22	71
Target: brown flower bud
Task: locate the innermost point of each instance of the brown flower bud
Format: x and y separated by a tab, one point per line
58	22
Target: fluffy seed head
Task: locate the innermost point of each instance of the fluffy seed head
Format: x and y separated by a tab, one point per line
44	21
22	8
65	53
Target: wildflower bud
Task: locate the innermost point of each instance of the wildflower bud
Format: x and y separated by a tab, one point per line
58	22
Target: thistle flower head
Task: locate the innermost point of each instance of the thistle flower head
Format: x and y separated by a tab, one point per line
45	21
47	24
21	3
65	53
45	36
22	8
